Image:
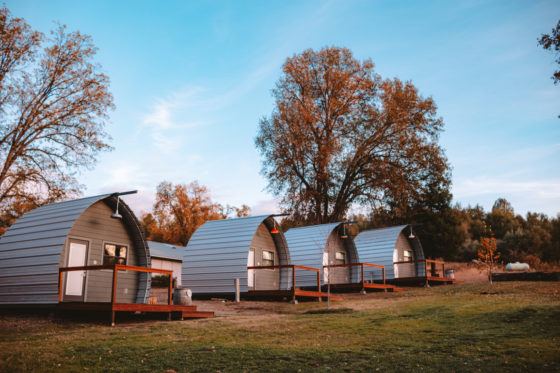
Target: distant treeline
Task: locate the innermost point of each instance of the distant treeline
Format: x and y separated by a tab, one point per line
455	233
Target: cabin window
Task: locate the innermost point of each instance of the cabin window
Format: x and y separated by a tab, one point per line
267	258
407	256
114	254
339	255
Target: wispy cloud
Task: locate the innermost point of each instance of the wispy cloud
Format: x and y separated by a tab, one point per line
267	206
541	195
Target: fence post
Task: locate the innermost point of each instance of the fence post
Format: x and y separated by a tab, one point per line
237	290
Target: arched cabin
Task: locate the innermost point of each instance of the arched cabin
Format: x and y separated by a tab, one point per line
400	251
322	245
73	233
221	251
86	254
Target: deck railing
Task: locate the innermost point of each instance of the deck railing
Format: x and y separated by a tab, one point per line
115	268
293	268
432	268
361	265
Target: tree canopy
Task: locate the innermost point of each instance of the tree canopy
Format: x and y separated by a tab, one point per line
53	109
180	209
341	135
551	42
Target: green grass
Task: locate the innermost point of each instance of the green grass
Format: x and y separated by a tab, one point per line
506	327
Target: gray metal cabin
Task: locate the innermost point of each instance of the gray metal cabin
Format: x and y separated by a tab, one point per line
221	250
387	246
321	245
73	233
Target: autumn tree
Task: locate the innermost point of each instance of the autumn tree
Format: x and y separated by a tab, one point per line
487	254
53	109
551	42
180	209
341	135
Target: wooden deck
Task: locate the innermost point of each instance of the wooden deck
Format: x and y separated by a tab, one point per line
356	287
421	281
173	311
291	295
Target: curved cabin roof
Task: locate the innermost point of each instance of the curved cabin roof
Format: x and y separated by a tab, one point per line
307	245
217	253
30	249
378	245
166	251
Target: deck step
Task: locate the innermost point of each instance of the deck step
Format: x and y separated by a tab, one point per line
388	287
317	294
198	314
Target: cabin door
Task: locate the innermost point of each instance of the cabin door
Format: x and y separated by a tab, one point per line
75	280
251	272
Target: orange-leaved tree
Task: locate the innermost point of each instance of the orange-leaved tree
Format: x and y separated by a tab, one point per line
180	209
487	254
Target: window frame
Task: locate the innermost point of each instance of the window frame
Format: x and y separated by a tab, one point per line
263	259
342	254
115	244
409	257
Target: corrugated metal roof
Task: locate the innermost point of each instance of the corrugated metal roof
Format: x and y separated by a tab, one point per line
30	250
378	245
217	254
307	245
166	251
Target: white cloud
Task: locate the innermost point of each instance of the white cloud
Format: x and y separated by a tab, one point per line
268	206
538	195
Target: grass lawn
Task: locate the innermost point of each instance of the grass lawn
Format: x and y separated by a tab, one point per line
505	327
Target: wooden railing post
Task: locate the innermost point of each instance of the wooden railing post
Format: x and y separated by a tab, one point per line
60	281
170	290
383	273
294	284
114	294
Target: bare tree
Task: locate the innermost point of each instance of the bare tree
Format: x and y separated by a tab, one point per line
53	109
340	135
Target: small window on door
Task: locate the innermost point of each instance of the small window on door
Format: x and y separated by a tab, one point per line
267	258
114	254
339	255
407	256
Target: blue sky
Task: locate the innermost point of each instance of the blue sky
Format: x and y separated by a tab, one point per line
191	80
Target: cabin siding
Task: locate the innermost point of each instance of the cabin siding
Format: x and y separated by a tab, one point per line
308	246
168	265
30	252
381	246
404	270
97	227
265	279
34	248
218	251
337	275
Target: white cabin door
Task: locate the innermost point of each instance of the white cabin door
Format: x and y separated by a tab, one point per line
75	280
251	272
